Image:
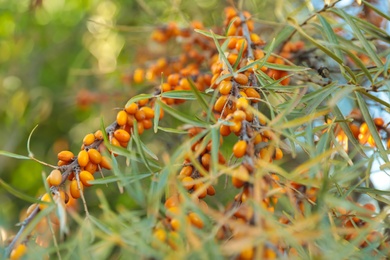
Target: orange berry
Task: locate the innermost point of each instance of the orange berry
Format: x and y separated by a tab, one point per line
88	139
241	43
188	182
149	112
91	167
239	149
239	115
94	156
172	201
236	128
138	76
85	177
232	58
195	220
355	130
242	103
210	190
65	156
45	198
252	93
147	123
220	103
98	135
186	171
143	102
160	234
173	79
225	86
140	115
379	122
232	43
106	163
18	252
121	118
55	178
206	159
240	176
363	128
200	186
247	254
132	108
74	189
224	130
83	158
278	154
121	135
241	78
232	30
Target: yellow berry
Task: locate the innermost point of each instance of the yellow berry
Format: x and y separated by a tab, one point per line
121	118
239	149
88	139
55	178
75	192
121	135
45	198
83	158
94	156
85	177
18	252
65	156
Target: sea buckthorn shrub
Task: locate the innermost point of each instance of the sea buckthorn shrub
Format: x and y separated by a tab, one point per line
260	160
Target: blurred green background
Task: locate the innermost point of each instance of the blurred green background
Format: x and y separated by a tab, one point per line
64	66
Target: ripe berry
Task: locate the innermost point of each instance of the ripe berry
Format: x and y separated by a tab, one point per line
242	103
45	198
94	156
160	234
18	252
186	171
74	189
55	178
121	135
132	108
239	149
106	163
188	182
225	87
220	103
241	78
88	139
121	118
379	122
85	177
195	220
65	156
98	135
83	158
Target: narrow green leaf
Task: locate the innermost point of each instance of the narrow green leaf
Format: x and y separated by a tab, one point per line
14	155
125	179
373	55
214	149
172	130
281	36
30	154
376	99
17	193
138	98
156	118
208	34
386	16
322	47
182	116
357	61
199	97
330	34
221	53
148	151
371	126
179	94
140	149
